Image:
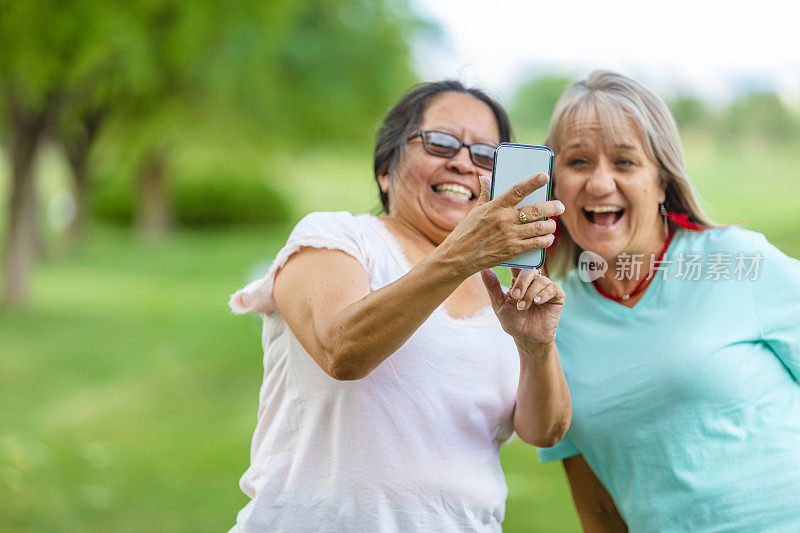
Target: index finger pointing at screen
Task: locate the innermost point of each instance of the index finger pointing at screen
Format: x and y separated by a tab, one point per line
519	191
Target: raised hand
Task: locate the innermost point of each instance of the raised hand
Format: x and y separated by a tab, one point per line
531	309
492	232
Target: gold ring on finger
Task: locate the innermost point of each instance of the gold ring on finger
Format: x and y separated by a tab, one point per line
522	217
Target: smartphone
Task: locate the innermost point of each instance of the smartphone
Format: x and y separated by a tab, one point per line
512	164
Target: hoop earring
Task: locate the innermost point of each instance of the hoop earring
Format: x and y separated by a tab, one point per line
663	211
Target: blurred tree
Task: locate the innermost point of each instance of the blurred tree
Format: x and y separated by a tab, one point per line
44	62
340	67
77	130
288	74
280	75
157	75
691	113
760	115
534	102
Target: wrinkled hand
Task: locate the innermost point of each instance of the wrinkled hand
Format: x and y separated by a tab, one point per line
531	309
492	233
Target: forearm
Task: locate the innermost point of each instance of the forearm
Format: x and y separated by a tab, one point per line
363	334
544	409
594	504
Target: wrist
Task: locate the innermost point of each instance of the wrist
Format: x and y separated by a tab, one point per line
535	352
446	266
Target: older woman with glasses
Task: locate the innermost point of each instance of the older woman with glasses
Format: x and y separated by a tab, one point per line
393	372
680	341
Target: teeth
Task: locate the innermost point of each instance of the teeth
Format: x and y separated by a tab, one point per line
451	189
603	209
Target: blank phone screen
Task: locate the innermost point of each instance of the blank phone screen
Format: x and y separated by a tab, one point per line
512	164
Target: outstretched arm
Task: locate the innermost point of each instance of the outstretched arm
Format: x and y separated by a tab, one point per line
325	297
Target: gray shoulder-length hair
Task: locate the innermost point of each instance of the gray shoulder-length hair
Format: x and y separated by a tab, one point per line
619	103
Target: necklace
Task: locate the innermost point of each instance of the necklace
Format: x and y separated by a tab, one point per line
644	283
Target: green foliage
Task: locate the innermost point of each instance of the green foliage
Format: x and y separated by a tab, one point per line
342	65
752	117
533	105
280	72
163	76
45	56
114	200
221	197
761	115
690	112
211	197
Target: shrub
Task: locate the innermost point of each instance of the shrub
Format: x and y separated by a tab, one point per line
208	198
219	198
113	199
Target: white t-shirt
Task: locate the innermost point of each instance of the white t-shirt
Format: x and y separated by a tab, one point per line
414	446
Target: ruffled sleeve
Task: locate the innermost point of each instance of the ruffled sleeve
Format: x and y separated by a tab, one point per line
333	231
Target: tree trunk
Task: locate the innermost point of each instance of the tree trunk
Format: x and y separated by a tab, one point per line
77	225
77	148
153	213
22	238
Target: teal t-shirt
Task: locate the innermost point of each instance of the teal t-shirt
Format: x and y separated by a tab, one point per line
687	406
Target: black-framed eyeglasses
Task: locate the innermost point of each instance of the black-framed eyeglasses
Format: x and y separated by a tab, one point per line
443	144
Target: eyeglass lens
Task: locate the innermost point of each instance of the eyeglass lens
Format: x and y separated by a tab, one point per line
446	145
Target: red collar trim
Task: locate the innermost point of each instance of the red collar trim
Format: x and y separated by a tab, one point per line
682	220
644	282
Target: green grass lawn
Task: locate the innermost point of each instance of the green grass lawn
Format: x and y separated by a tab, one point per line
128	392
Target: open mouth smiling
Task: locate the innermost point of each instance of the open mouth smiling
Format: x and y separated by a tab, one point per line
453	190
604	216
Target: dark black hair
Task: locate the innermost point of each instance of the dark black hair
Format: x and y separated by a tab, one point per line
405	117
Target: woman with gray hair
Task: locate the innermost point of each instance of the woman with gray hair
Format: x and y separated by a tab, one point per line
393	372
680	340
